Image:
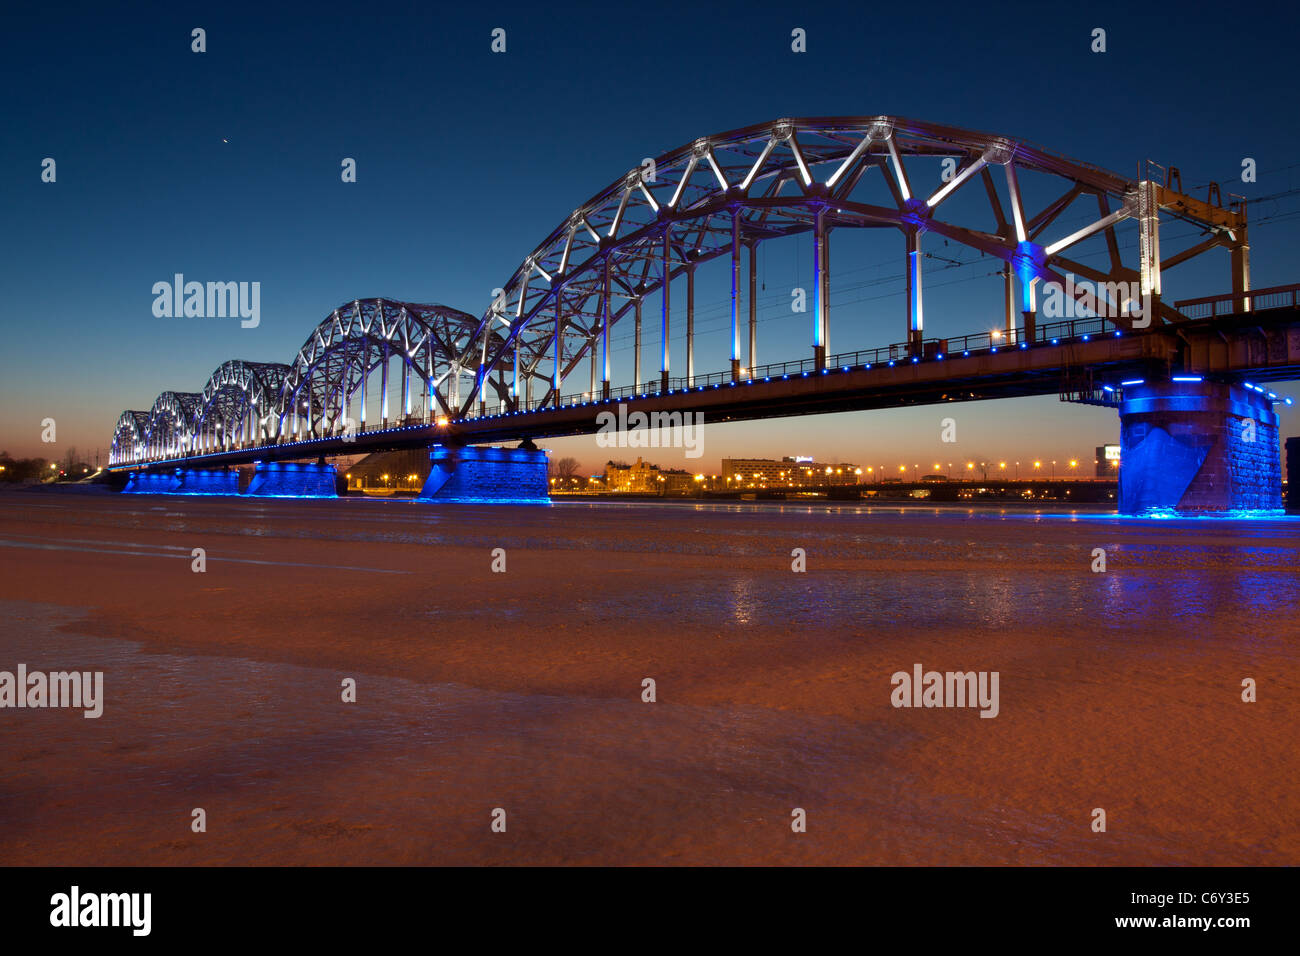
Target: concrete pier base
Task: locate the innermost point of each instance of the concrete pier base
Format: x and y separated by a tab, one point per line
1198	448
197	481
1293	476
151	483
274	479
499	476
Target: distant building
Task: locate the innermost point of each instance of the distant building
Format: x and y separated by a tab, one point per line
1108	461
786	473
646	479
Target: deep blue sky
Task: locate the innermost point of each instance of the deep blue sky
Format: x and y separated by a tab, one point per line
467	159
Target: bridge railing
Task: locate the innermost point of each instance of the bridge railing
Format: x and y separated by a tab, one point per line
1256	300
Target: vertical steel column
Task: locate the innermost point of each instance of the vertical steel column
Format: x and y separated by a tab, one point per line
915	299
1149	247
753	308
557	373
1009	302
819	251
480	380
1240	261
428	377
1029	306
636	348
690	323
666	290
826	289
606	312
406	389
365	374
735	295
383	389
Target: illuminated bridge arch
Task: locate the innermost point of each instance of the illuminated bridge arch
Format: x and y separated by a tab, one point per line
433	344
723	194
170	427
129	438
239	404
626	251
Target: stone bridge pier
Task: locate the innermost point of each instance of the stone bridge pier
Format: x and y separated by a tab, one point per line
1197	447
476	475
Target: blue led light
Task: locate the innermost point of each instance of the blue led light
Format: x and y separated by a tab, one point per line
1135	381
1187	378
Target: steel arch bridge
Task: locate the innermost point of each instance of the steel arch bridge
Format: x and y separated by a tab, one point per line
718	197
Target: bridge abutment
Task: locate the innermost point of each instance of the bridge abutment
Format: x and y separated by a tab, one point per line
1198	447
274	479
472	475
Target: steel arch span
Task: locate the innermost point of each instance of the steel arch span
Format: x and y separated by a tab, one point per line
723	194
434	344
129	436
717	197
237	403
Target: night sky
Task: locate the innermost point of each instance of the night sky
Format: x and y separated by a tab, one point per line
226	166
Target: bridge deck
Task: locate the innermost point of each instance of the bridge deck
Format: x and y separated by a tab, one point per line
1264	345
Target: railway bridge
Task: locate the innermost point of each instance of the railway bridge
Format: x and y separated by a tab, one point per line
1083	313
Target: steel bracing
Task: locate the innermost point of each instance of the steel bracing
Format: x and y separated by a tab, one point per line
623	252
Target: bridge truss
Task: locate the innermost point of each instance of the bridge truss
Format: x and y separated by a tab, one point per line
623	253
